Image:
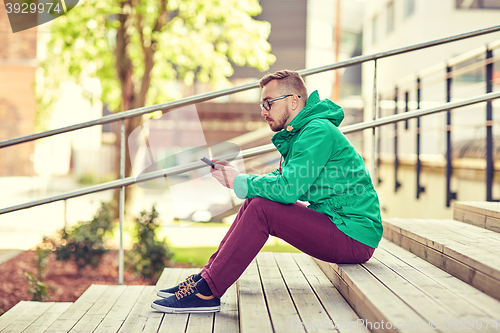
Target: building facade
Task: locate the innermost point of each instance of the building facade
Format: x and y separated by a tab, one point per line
18	66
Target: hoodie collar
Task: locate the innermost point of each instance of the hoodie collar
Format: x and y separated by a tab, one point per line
299	120
314	109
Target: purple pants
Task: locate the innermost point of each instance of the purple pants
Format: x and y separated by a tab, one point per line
309	231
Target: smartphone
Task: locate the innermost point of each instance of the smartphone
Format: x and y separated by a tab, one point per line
207	161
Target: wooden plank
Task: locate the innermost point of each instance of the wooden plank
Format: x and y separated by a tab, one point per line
14	313
466	230
134	314
458	214
227	319
451	265
254	316
312	314
491	209
433	301
412	296
342	316
48	317
355	300
281	308
200	323
184	322
394	225
77	310
374	301
475	297
98	311
117	315
150	319
36	309
474	219
492	224
174	322
480	256
446	232
474	246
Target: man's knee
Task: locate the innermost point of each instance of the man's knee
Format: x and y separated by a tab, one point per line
261	203
261	207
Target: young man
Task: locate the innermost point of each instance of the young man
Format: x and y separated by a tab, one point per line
342	222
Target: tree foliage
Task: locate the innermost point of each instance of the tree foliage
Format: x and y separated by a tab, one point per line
136	48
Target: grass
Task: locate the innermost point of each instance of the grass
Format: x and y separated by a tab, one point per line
198	256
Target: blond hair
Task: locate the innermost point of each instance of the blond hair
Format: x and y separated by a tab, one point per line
290	82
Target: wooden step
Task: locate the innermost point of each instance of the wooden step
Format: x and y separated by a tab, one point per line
28	316
482	214
102	308
277	293
467	252
149	320
397	289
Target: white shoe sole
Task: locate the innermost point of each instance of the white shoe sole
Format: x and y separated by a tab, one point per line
185	310
164	294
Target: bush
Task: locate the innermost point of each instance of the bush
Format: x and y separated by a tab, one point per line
148	256
38	289
84	242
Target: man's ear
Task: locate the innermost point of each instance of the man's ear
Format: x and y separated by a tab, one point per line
296	102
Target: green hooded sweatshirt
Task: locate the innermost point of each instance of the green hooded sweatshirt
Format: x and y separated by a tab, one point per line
321	167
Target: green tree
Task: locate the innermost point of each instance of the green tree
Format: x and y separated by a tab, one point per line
136	47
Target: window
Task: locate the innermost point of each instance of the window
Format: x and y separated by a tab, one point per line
390	16
374	29
478	4
409	8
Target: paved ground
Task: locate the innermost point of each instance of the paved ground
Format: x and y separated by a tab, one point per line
6	255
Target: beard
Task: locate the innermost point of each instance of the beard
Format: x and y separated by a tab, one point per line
279	124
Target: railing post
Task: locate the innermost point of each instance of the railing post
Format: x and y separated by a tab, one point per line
418	165
407	97
490	167
122	201
449	170
396	159
374	118
65	214
379	142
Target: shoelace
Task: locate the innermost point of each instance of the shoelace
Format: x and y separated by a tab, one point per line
189	280
185	290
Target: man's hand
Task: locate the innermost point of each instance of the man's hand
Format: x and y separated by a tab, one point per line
224	173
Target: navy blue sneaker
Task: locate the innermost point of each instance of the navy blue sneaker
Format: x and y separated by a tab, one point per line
187	300
191	279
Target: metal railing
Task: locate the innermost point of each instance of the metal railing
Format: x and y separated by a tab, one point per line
415	81
122	182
